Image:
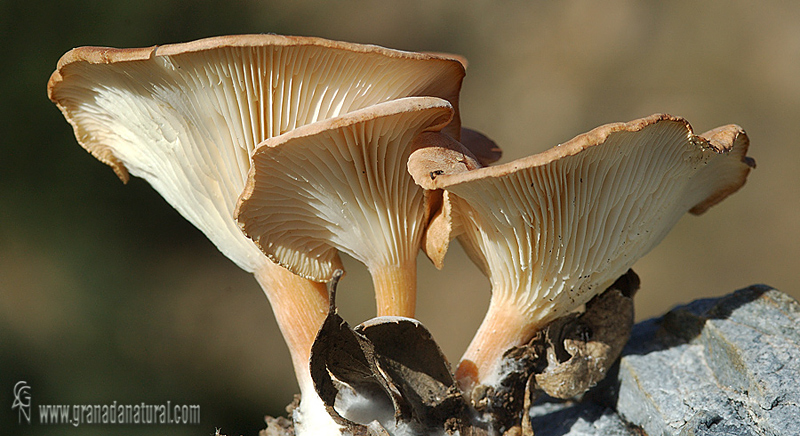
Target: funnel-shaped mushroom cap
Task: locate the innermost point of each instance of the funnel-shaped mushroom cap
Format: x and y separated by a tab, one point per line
554	229
342	184
186	117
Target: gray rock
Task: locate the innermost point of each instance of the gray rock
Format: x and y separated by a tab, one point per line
753	349
727	366
577	419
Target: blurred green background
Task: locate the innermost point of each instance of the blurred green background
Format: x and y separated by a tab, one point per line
107	294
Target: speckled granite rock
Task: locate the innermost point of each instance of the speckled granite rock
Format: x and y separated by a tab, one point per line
727	366
578	419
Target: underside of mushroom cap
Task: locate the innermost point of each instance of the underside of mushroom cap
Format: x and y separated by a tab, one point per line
341	184
425	165
554	229
186	117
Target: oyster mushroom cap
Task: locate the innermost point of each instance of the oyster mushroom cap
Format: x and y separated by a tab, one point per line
555	229
186	117
342	185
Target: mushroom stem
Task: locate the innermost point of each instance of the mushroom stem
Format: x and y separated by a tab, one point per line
395	288
503	327
300	306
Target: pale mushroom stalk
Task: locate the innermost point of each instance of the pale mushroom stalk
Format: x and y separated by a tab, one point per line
552	230
300	307
503	328
187	117
342	185
395	288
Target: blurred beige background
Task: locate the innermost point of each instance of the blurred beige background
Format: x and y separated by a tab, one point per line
106	294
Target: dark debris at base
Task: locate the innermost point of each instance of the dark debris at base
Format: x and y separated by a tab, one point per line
725	366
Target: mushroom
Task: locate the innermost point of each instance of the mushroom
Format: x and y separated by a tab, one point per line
187	117
342	185
553	230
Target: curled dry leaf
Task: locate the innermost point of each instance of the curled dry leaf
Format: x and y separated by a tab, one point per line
339	356
386	374
408	355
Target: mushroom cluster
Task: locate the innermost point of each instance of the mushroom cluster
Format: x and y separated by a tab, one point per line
285	151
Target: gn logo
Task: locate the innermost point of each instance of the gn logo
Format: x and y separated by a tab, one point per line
22	401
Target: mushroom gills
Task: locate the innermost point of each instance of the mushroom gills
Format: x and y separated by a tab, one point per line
555	229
